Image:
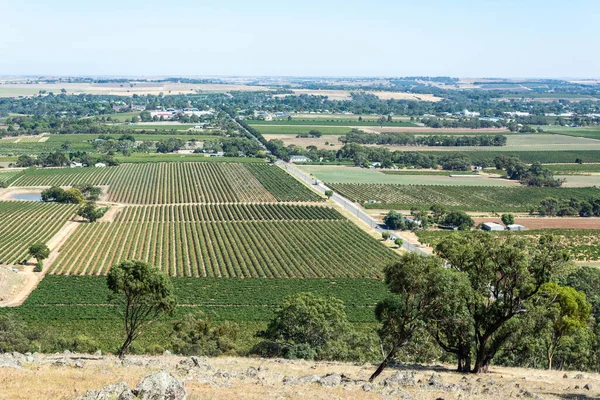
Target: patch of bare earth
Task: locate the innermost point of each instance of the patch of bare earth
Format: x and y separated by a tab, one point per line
324	142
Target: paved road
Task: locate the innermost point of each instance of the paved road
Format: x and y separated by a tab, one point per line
350	207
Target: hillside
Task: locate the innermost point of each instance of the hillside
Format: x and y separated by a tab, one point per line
70	376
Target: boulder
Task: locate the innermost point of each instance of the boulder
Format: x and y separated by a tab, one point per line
118	391
309	379
435	380
331	380
290	380
588	386
579	376
160	386
400	379
251	372
368	387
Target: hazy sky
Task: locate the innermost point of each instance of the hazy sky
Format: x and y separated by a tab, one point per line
475	38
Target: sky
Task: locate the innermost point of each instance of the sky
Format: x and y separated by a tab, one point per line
460	38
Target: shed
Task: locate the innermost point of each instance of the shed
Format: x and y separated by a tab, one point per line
492	226
99	165
297	159
516	227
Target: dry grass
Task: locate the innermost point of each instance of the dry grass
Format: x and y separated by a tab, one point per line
304	142
41	380
406	96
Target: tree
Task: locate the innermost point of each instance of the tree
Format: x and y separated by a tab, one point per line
90	212
40	252
329	193
309	321
508	219
66	146
504	272
394	220
315	133
401	314
196	334
385	235
439	213
398	242
381	120
459	219
59	195
565	310
144	292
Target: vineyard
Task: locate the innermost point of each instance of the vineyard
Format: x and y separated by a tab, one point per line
466	198
247	299
24	223
171	183
227	241
582	244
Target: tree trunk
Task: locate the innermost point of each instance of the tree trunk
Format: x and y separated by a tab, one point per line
481	358
464	360
383	364
125	347
549	360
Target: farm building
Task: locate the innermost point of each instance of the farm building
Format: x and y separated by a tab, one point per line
297	159
492	226
75	164
516	227
99	165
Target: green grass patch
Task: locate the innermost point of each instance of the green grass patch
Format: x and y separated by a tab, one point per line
296	130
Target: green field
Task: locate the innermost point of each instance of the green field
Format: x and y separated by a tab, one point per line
165	183
527	156
592	132
342	174
25	223
431	172
573	169
296	130
136	158
582	244
465	198
272	241
70	306
79	142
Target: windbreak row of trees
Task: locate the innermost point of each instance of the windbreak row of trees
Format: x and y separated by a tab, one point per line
409	139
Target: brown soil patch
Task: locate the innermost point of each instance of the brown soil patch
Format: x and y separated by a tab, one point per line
304	142
406	96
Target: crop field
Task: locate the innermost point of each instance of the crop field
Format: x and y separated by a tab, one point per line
573	181
592	132
343	174
582	244
24	223
425	172
226	299
529	157
169	183
465	198
137	158
7	176
518	143
227	241
79	142
573	169
299	129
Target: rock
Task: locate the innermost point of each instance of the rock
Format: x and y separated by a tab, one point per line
166	353
530	395
367	387
118	391
309	379
78	364
67	352
290	380
251	372
565	376
194	364
98	353
588	386
61	362
400	379
160	386
579	376
435	380
331	380
400	394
